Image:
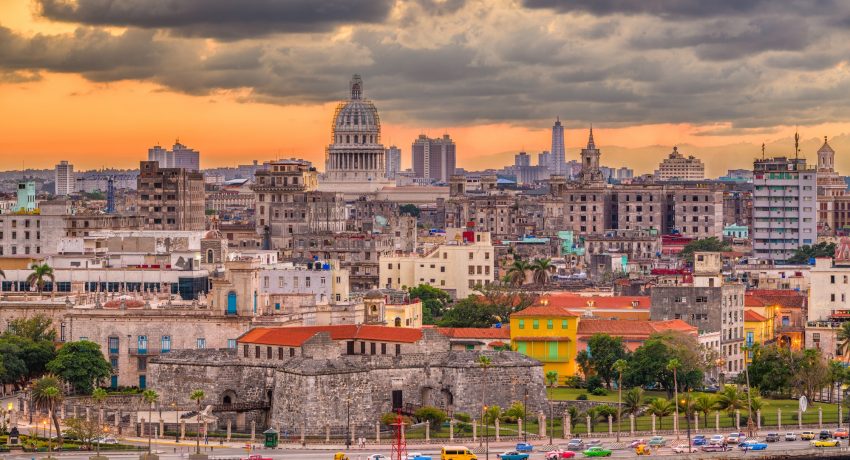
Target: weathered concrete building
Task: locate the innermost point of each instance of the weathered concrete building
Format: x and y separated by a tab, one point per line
170	198
310	380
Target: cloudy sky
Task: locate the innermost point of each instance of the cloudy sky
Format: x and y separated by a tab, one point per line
99	81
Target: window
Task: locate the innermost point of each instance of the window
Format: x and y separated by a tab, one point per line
202	343
114	363
165	343
521	347
142	344
142	363
398	349
564	324
231	344
553	350
522	324
372	348
244	351
535	324
550	324
383	348
257	351
113	345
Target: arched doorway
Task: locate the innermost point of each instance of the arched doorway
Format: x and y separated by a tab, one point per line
228	397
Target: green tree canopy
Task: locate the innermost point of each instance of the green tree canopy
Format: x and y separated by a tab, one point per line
648	364
469	312
605	350
81	364
433	415
806	252
39	276
409	209
712	244
770	369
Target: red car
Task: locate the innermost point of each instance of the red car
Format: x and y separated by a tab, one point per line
559	454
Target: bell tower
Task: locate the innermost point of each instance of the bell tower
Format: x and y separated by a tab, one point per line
590	171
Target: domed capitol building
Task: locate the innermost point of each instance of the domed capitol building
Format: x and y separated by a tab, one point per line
354	161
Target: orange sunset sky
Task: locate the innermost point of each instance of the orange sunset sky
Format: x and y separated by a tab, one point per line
58	102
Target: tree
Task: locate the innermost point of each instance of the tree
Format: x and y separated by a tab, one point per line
705	403
87	431
81	364
409	209
491	413
515	275
770	369
541	268
46	394
604	351
433	300
468	312
843	338
552	378
661	408
584	366
150	397
648	364
433	415
711	244
809	372
505	300
37	328
619	366
633	402
516	411
39	276
731	399
673	365
13	369
198	396
806	252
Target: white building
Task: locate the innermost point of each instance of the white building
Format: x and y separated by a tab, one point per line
179	156
393	159
324	280
784	207
64	176
677	166
465	259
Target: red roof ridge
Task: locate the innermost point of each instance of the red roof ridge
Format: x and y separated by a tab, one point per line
750	315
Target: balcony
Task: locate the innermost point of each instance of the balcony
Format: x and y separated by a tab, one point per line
148	351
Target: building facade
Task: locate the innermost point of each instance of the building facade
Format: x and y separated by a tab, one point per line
64	178
393	158
678	167
179	156
170	198
434	159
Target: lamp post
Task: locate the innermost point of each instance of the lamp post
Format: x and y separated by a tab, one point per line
486	433
348	423
176	421
838	384
525	415
686	401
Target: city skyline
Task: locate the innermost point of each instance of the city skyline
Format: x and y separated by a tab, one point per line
89	104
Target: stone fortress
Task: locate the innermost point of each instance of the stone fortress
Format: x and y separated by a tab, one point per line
310	380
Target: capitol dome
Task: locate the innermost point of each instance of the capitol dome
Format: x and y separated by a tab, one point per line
356	121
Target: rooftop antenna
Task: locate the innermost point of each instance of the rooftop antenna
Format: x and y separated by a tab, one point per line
796	144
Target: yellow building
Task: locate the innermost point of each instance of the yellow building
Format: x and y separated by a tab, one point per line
757	329
548	334
404	314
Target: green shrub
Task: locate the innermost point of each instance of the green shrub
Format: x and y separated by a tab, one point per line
599	391
594	382
581	397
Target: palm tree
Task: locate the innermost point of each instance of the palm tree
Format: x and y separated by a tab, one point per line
46	394
39	275
552	378
99	396
198	395
150	397
516	273
541	269
633	402
620	366
674	366
705	403
661	408
730	400
484	362
843	338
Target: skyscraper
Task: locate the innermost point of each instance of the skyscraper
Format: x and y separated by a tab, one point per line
433	158
65	181
179	156
557	153
522	159
393	159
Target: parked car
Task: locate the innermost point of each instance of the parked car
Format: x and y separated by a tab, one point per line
657	441
684	448
512	455
105	440
699	440
597	451
377	457
558	454
825	443
575	445
524	447
636	443
417	456
752	445
840	433
717	440
790	436
825	434
715	448
733	438
593	442
771	437
807	435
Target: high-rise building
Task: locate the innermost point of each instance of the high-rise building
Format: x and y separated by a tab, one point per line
784	207
522	159
393	158
170	198
65	181
434	159
179	156
557	160
677	166
544	159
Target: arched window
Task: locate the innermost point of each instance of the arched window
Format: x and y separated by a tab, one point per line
210	256
347	139
397	322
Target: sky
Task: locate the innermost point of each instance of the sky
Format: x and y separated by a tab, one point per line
98	82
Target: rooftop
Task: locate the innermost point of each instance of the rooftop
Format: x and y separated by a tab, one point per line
296	336
632	328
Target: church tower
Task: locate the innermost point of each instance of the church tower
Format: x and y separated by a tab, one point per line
590	171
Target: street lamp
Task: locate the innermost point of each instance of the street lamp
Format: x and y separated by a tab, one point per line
686	401
176	421
348	423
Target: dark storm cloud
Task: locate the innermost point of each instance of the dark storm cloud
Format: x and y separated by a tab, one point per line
679	8
224	19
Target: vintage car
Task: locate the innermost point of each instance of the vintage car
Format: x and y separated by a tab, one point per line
512	455
597	451
752	445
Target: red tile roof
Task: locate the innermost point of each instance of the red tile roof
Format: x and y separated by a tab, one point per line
631	328
544	310
296	336
750	315
770	297
475	332
573	301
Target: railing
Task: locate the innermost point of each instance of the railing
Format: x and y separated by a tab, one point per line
149	351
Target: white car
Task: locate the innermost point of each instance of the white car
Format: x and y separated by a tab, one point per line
106	440
684	448
414	455
790	436
716	440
